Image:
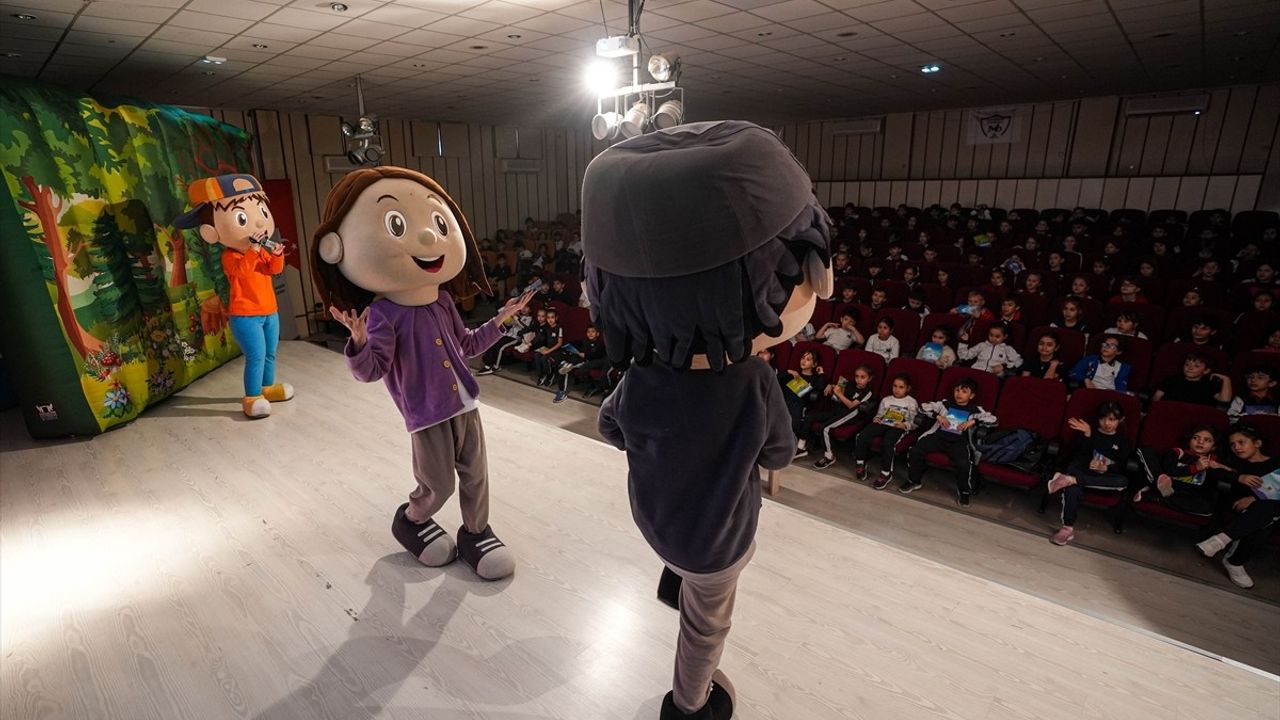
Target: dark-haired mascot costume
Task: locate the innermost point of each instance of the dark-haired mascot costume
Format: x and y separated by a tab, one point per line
390	241
703	244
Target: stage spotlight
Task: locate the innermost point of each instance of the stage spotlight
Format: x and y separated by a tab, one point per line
670	114
601	77
635	120
604	126
664	67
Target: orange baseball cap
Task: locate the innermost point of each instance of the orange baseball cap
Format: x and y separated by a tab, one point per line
211	189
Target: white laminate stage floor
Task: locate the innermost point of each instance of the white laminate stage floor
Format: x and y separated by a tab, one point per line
194	565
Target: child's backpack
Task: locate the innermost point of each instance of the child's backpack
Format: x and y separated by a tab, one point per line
1007	447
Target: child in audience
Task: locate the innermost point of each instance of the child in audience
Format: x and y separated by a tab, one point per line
560	292
512	335
1100	282
854	400
874	270
1104	371
1196	384
500	275
1072	316
848	295
994	355
549	341
895	416
1129	292
930	256
911	276
1184	478
804	334
1045	364
1273	341
879	299
1080	288
1203	333
952	433
1033	284
883	343
801	392
1126	324
1101	453
580	361
895	255
1260	394
1262	303
1256	509
841	267
842	335
938	350
1192	298
916	302
1010	310
975	307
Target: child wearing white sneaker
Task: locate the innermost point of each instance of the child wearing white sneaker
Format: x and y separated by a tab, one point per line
895	416
1256	509
1099	461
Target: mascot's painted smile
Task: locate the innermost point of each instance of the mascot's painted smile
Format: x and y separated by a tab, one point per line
430	264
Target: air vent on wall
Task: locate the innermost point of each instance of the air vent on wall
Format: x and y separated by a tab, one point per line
336	164
856	127
519	166
1168	105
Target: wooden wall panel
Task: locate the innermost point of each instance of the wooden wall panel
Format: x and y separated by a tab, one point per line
1164	192
1046	193
1219	191
1235	128
1156	142
1061	128
1068	193
1095	127
1191	193
1246	195
1139	193
1114	191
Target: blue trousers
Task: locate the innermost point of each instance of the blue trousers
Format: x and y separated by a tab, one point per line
258	336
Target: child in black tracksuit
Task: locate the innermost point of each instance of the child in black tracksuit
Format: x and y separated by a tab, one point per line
952	433
580	361
545	348
1098	462
895	416
1185	478
801	391
851	401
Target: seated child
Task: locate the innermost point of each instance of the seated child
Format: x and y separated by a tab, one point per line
1071	316
1126	324
800	393
1184	478
883	343
1104	371
579	360
993	355
1129	291
1045	364
1098	462
842	335
1196	384
916	302
938	350
975	307
513	334
1010	310
853	401
1255	510
1203	332
549	341
879	299
1260	395
952	433
895	416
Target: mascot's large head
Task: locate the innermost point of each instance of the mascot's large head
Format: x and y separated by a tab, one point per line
230	210
395	232
703	238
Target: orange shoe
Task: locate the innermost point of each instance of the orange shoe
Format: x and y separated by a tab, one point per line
279	392
256	407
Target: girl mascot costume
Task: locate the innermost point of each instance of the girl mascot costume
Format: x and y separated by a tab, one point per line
389	241
703	244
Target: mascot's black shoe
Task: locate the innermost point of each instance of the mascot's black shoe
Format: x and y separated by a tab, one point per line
719	706
427	541
485	553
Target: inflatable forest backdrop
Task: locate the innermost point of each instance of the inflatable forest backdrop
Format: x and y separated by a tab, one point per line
108	308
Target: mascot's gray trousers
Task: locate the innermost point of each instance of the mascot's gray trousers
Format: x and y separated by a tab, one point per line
457	444
706	614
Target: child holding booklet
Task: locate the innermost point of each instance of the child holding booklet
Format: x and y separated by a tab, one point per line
801	392
1099	462
952	433
1256	509
895	416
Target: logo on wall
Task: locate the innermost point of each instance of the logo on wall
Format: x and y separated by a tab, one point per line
994	126
47	413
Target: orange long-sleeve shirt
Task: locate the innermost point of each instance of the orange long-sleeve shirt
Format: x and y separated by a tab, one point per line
250	276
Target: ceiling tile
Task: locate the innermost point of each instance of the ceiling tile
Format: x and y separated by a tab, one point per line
205	21
115	27
500	12
369	29
792	10
693	11
887	10
273	31
123	11
247	9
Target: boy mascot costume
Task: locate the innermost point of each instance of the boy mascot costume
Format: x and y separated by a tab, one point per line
389	239
231	210
703	244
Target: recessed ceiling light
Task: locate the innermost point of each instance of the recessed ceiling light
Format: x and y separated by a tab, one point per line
1163	35
846	33
317	97
419	65
839	59
23	16
209	72
534	79
929	69
213	60
1008	34
1240	33
479	47
10	55
514	36
261	46
763	34
1040	59
1195	112
338	7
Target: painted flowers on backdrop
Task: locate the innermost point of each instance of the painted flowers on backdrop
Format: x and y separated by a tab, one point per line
116	402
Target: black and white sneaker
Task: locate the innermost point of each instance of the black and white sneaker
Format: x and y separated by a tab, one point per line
963	498
860	471
824	462
907	487
426	541
801	452
486	370
719	703
882	481
485	553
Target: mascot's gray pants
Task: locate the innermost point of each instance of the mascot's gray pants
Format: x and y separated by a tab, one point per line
706	614
455	445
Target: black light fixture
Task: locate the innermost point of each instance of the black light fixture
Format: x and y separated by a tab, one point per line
363	144
637	107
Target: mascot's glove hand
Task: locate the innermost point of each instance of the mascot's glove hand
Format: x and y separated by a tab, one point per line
357	324
213	316
513	306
